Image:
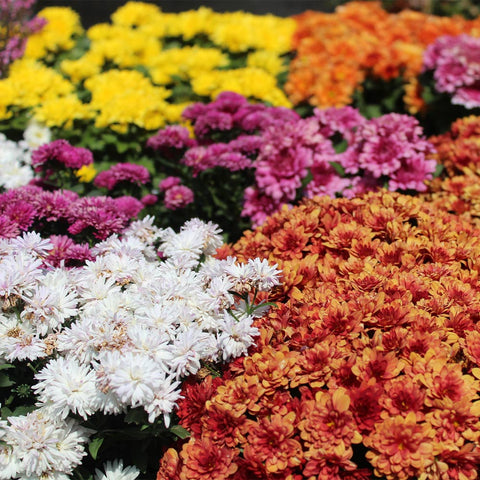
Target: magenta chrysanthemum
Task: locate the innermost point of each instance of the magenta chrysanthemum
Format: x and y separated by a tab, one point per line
122	172
58	154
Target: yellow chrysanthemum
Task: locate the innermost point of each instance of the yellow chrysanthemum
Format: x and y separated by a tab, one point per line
127	97
87	66
185	63
266	60
173	114
62	111
135	14
34	83
86	173
7	98
241	31
62	24
249	82
192	22
124	46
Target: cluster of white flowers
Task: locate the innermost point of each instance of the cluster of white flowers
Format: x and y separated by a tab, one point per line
15	157
120	332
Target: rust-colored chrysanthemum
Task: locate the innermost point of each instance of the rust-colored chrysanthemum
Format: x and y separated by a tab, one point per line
371	355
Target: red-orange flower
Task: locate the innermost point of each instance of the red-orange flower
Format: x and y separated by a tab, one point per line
203	459
400	447
270	442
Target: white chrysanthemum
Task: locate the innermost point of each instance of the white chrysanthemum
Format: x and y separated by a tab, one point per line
31	242
264	275
209	232
47	308
160	315
19	273
133	377
15	169
91	289
36	134
19	340
218	295
65	386
183	250
190	347
9	463
164	401
144	230
86	338
151	342
130	247
240	274
115	471
42	445
236	336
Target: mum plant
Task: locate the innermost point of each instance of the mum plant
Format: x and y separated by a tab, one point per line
93	357
110	87
247	160
368	367
363	56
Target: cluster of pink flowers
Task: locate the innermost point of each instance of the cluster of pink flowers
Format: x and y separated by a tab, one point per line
64	215
59	154
294	157
455	61
16	27
128	173
176	195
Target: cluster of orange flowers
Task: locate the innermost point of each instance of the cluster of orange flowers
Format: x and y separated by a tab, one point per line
369	364
458	150
337	52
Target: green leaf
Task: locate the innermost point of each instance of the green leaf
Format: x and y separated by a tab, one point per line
23	410
179	431
438	170
6	366
137	416
5	381
338	168
6	412
94	447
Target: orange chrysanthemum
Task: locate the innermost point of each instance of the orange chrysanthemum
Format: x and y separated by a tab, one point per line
337	52
203	459
401	448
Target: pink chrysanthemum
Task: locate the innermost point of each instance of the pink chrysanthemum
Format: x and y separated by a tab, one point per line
60	153
178	196
455	62
122	172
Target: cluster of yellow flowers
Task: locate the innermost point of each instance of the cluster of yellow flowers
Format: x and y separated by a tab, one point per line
118	95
